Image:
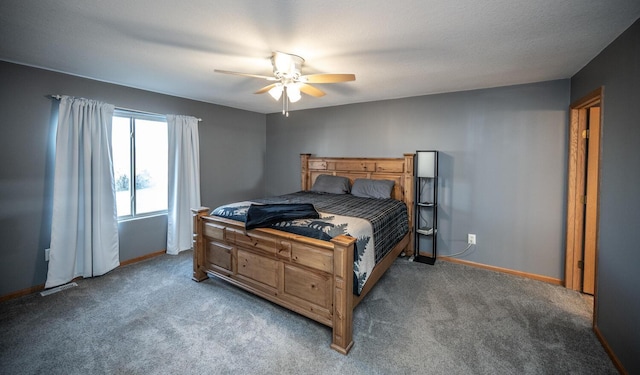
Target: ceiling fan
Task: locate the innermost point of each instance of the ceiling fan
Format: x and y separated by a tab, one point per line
289	80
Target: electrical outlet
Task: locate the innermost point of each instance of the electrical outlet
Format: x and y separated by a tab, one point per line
46	254
471	239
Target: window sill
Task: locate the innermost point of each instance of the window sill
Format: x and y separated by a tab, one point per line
142	217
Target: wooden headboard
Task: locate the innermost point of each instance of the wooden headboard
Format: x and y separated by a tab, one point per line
399	170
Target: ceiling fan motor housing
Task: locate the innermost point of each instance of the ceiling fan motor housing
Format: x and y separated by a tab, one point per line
286	66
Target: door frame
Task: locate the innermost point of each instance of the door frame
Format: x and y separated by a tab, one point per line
576	186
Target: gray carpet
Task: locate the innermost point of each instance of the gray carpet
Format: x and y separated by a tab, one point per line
150	318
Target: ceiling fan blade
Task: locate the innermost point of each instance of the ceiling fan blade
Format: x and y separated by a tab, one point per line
245	74
310	90
267	88
327	78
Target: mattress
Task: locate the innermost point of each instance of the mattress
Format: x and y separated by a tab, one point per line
376	224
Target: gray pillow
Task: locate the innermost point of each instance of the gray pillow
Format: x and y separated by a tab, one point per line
366	188
326	183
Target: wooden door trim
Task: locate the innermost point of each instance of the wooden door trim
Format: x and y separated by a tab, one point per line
591	99
576	184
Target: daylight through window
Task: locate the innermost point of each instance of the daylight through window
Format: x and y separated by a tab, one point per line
140	151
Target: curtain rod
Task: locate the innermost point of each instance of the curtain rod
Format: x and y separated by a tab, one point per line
58	97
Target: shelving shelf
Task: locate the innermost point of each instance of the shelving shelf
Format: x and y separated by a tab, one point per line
425	231
426	206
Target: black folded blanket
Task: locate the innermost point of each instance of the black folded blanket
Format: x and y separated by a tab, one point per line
265	215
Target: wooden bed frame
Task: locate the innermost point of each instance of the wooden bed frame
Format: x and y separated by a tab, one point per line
311	277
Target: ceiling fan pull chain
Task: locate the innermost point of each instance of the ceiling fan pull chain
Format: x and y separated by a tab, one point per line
285	102
284	99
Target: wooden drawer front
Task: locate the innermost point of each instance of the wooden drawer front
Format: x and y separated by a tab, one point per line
355	166
309	286
389	167
256	240
320	165
214	231
219	255
318	259
258	268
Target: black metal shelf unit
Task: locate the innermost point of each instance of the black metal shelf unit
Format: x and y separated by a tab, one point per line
426	206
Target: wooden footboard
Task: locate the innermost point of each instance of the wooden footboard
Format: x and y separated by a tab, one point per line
311	277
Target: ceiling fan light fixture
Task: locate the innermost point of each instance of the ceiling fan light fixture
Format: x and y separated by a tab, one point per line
276	92
293	92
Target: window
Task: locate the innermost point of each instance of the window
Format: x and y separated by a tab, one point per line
140	149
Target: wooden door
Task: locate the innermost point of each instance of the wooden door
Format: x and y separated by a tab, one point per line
582	205
591	202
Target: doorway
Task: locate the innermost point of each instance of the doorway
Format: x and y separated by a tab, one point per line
582	193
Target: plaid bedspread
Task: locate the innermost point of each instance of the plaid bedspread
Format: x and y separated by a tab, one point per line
377	224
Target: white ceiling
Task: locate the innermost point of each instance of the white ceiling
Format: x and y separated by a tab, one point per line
396	48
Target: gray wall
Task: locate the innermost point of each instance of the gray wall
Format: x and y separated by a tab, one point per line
617	68
503	156
232	150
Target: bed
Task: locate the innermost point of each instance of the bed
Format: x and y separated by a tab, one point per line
314	277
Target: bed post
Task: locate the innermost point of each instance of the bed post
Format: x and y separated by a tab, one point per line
409	186
198	243
304	172
342	339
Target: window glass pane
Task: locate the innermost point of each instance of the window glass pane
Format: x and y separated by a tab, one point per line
121	147
151	166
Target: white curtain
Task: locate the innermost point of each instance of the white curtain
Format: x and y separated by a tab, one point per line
184	181
84	225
